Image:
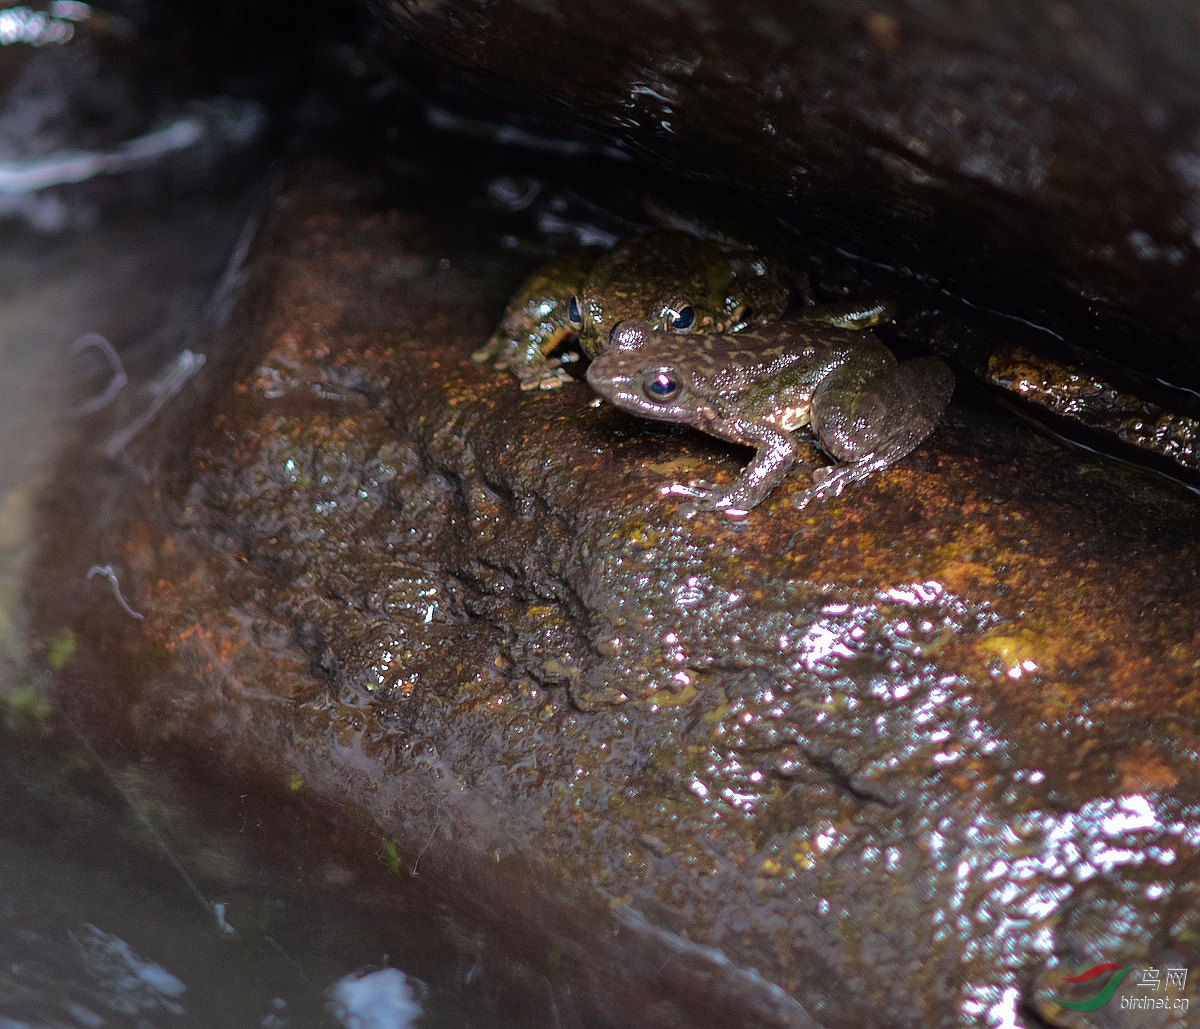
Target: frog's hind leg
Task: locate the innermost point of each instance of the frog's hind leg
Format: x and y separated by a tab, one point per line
876	421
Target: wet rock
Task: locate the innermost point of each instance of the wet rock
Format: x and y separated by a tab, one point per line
907	758
1042	162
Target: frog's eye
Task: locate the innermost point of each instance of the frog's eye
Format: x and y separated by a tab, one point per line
684	319
573	315
661	386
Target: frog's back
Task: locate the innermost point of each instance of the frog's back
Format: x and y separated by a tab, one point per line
791	351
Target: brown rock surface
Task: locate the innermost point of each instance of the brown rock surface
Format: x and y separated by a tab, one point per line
904	759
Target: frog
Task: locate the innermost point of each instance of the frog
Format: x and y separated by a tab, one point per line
865	409
677	282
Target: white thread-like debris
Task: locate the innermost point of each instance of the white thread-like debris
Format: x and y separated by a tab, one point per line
106	571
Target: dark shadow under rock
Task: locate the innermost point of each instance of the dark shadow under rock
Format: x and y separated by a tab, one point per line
1040	160
904	759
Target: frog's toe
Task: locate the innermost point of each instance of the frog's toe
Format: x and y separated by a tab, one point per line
707	496
730	505
498	349
547	376
697	489
695	507
830	480
484	354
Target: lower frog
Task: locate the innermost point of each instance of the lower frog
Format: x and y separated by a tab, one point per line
756	387
677	282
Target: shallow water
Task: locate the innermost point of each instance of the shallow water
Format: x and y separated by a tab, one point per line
117	906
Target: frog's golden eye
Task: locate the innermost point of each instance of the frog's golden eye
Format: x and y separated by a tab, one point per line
684	319
661	386
573	315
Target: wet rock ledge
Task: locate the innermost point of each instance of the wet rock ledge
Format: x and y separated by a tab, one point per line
904	759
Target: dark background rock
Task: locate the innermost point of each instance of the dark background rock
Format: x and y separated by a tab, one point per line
1042	160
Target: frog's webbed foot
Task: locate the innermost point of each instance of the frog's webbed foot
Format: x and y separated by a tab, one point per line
536	320
496	349
524	358
707	496
775	453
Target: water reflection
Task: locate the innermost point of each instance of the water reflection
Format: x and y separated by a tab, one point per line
97	927
101	869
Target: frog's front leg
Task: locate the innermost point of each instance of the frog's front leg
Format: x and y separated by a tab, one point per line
763	299
776	452
538	319
871	412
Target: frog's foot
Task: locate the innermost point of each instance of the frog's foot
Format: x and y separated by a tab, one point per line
501	349
485	353
850	314
831	480
531	369
708	496
550	375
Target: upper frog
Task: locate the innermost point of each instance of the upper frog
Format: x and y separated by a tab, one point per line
673	281
756	387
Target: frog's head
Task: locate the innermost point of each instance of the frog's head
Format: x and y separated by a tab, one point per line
677	283
647	373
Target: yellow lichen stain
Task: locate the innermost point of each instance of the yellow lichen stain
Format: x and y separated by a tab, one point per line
1018	653
717	712
295	782
804	855
836	704
672	698
962	575
556	667
678	466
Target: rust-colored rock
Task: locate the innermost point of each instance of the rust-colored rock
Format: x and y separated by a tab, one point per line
905	759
